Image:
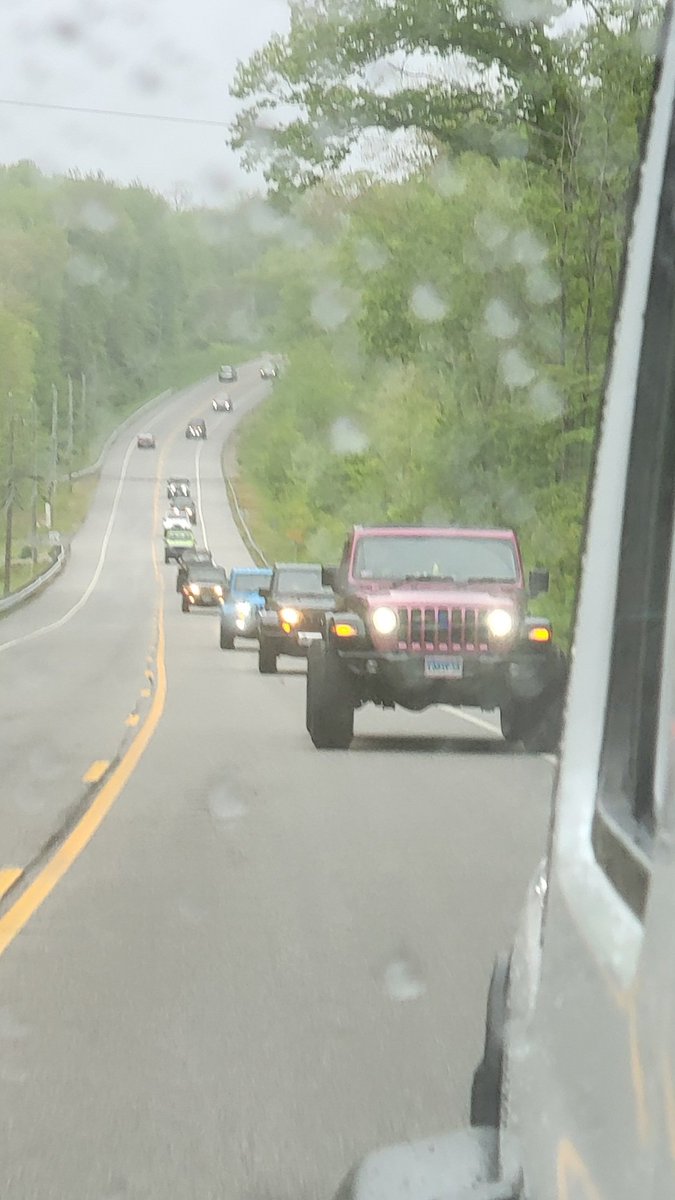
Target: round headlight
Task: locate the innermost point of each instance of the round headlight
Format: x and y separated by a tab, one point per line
291	616
384	620
500	623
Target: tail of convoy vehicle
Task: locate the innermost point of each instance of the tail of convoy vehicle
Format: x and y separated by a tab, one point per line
575	1095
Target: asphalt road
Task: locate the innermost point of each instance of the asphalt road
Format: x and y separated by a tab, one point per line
267	960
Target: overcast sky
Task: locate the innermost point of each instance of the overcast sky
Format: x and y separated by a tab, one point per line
161	56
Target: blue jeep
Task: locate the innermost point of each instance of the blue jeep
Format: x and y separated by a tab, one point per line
240	608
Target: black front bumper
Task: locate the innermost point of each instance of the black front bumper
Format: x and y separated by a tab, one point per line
488	680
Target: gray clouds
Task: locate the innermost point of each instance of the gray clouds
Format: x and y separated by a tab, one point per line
159	56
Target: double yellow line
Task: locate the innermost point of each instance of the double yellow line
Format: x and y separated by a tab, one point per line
32	896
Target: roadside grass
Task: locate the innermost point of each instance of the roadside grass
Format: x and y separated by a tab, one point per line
267	532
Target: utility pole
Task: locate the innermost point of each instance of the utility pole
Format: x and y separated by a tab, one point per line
34	493
55	444
71	430
83	414
9	508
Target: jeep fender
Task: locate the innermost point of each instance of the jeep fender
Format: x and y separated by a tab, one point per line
269	621
345	618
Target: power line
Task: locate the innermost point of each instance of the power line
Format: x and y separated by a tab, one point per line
115	112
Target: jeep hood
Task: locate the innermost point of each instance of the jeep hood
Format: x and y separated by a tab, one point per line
431	595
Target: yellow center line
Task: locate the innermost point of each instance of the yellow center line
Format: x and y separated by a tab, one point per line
70	849
8	876
96	771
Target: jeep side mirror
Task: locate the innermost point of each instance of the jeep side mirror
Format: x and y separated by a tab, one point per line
538	582
329	576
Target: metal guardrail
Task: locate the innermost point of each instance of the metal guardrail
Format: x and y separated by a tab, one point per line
243	527
15	599
36	585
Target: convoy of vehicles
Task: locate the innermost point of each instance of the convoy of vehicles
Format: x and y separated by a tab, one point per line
296	601
435	616
241	607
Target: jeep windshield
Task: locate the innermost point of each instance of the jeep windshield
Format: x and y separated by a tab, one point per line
436	557
299	581
248	582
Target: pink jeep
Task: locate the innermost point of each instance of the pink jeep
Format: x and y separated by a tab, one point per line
435	616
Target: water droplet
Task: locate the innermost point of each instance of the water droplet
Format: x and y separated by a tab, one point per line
401	983
500	321
347	438
329	307
426	303
515	369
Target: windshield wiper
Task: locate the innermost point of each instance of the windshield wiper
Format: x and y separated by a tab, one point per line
396	583
488	579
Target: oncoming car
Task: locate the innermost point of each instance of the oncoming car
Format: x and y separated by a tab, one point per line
241	606
146	441
204	586
196	429
221	404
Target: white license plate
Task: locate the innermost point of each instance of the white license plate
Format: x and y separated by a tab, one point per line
309	637
450	666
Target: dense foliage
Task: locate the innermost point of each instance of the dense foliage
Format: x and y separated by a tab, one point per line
446	333
108	294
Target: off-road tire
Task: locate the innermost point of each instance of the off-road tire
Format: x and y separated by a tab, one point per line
488	1078
329	713
226	639
267	658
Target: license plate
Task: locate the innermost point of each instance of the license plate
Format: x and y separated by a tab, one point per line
450	666
309	637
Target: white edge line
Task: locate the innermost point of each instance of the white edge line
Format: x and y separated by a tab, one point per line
481	723
79	605
200	509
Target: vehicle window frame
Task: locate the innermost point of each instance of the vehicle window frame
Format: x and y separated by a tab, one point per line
627	801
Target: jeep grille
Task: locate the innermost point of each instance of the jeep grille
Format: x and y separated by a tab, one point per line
448	629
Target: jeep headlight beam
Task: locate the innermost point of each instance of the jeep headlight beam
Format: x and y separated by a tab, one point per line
290	616
384	620
500	623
